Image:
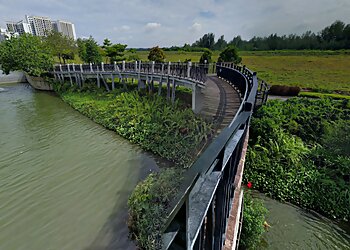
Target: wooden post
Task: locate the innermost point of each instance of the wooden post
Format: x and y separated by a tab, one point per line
112	77
123	66
194	87
189	65
91	67
98	81
160	85
168	88
73	67
102	66
81	68
173	91
60	67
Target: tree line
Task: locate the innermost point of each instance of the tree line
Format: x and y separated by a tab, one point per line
333	37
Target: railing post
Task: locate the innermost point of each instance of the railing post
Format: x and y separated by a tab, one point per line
102	66
135	66
139	66
115	65
60	67
169	64
81	68
91	67
189	69
73	67
68	67
123	66
153	67
162	68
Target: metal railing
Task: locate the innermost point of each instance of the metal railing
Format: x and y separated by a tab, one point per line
198	216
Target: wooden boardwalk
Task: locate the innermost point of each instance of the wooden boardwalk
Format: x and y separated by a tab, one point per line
218	102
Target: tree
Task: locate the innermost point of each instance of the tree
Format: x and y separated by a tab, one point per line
229	54
220	44
61	46
132	55
27	53
156	54
116	52
206	56
207	41
89	50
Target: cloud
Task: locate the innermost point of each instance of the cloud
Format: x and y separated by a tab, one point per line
125	28
196	27
152	26
182	21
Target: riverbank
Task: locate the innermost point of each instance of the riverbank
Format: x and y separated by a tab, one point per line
171	131
13	77
299	153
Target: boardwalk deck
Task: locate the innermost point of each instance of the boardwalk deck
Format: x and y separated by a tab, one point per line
218	102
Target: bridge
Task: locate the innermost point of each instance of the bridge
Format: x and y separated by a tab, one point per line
207	213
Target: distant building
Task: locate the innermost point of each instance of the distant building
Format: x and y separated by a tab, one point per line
66	28
41	26
5	34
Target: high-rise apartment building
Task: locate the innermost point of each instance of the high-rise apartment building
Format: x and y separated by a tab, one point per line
41	26
66	28
19	27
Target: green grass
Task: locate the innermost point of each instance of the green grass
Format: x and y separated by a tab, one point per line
323	95
319	71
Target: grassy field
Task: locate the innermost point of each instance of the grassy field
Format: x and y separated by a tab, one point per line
319	71
323	73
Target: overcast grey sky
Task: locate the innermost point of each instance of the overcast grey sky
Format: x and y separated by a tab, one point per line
146	23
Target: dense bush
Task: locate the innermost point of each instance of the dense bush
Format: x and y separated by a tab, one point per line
170	131
148	206
254	214
299	152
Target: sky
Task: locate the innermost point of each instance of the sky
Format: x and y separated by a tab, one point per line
148	23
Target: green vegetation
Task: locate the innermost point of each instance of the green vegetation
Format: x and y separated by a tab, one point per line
61	46
156	54
171	131
27	53
323	95
254	214
230	54
148	206
89	51
321	73
206	57
114	52
299	152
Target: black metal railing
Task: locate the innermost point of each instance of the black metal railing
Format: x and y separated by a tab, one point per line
198	216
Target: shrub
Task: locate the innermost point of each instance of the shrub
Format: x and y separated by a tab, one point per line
148	207
254	214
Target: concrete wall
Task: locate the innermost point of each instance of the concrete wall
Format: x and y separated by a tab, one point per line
13	77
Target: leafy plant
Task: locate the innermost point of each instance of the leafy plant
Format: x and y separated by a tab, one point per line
27	53
156	54
254	214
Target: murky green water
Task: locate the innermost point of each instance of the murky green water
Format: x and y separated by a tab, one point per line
64	180
296	228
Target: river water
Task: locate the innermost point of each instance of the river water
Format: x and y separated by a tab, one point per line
296	228
64	180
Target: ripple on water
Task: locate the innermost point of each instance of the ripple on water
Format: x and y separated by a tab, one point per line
64	179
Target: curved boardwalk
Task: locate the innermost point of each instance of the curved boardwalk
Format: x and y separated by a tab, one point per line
218	102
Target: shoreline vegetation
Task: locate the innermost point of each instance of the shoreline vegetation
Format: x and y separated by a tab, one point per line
171	131
299	152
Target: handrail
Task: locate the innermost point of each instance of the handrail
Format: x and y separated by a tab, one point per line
186	71
207	189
